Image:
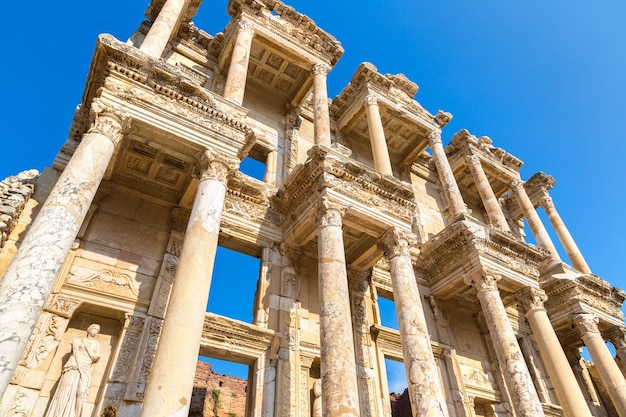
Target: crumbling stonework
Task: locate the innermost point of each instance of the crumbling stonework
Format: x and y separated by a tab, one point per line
216	395
14	193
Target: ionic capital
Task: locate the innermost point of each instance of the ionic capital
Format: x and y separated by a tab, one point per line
531	299
320	69
485	280
330	212
434	137
216	166
397	242
244	26
586	323
371	100
108	122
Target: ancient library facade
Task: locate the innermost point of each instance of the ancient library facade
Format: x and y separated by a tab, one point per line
107	257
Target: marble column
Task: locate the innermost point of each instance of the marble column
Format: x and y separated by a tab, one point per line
448	182
425	391
561	374
337	360
610	374
489	199
168	392
534	222
235	86
164	28
30	277
573	253
380	153
523	394
321	122
271	167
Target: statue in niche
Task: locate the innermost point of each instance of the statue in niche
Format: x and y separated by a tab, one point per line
73	385
317	398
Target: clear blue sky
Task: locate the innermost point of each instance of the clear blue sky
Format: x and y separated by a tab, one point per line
545	80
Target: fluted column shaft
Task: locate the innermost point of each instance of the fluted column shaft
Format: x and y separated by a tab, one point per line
573	253
534	222
561	374
516	375
321	116
164	28
30	277
337	361
446	176
168	392
489	199
422	375
380	153
235	86
587	326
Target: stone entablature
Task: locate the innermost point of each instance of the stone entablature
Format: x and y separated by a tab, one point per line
454	253
15	191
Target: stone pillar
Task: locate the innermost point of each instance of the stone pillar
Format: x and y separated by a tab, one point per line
446	176
561	374
164	28
235	85
573	253
425	390
489	199
321	122
534	222
617	336
271	167
610	374
169	387
380	153
32	273
524	396
337	360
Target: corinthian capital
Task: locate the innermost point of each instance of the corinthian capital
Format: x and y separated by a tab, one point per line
486	280
586	323
397	242
531	299
214	165
244	26
320	69
546	202
434	137
371	100
517	185
109	122
330	212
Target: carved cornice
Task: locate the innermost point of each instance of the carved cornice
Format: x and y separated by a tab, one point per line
165	80
285	22
465	143
326	168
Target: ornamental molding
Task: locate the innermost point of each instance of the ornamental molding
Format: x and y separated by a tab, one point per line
284	22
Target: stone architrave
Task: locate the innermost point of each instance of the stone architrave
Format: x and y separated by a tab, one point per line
164	27
235	86
534	222
524	396
587	326
380	153
168	392
568	391
30	277
422	375
337	359
446	176
321	122
566	239
489	199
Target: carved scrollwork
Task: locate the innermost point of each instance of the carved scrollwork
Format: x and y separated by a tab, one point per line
531	299
109	122
397	242
320	69
213	165
330	212
586	323
486	280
